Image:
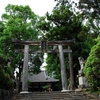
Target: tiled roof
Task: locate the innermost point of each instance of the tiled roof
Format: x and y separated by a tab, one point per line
41	77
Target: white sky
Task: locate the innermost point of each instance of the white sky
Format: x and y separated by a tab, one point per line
39	7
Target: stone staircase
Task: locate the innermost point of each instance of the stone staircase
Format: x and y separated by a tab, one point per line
55	95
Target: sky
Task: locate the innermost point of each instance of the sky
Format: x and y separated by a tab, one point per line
39	7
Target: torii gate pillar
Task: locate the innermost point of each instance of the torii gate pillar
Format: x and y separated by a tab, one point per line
63	70
25	70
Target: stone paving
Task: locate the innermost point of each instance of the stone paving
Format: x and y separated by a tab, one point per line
56	95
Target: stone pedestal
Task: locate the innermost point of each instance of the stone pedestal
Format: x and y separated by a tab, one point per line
82	82
24	92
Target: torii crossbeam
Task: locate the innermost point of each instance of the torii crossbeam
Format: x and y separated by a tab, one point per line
50	43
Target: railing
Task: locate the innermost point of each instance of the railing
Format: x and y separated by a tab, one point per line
5	94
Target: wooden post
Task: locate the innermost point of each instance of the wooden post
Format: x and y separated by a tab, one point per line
71	70
63	69
25	70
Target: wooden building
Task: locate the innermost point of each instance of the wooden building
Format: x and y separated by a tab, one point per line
37	82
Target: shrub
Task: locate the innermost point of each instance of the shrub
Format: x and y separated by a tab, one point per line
92	67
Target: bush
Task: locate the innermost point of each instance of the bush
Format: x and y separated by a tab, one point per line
92	68
6	81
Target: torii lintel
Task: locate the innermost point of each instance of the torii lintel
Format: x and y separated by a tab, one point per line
50	43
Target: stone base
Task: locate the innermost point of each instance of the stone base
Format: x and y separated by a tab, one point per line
83	86
67	90
24	92
78	90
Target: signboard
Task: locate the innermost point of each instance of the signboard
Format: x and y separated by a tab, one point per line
44	45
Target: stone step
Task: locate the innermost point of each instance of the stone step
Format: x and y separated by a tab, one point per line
54	95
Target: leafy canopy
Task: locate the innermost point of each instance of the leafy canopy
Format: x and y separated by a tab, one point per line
18	23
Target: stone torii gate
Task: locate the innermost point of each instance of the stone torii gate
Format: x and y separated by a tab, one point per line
60	45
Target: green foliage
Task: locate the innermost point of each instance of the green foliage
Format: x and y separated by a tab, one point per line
61	24
35	63
18	23
53	66
46	86
3	59
6	81
90	13
90	7
92	67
